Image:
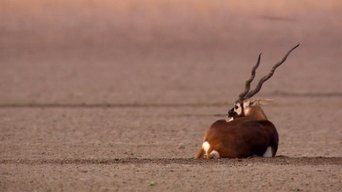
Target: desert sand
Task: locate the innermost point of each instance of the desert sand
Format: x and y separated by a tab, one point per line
116	95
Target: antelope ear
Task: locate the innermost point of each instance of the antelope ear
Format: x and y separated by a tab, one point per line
247	103
262	101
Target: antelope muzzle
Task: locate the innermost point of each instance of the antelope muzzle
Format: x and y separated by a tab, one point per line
232	113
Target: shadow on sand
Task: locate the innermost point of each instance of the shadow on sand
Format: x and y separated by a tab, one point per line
279	160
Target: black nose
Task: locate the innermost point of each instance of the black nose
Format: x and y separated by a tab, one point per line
231	113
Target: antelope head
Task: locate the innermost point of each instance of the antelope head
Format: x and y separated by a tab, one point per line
247	107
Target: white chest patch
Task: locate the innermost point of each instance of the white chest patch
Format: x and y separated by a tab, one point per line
268	152
238	109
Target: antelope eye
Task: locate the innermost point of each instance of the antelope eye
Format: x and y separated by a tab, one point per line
236	107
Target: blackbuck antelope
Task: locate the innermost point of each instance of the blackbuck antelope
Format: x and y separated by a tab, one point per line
248	132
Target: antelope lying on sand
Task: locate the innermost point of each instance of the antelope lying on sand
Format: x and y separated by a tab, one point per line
248	131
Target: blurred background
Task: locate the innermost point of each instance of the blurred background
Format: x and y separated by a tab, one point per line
87	80
165	52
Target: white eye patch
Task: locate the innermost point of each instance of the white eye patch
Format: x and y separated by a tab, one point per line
238	109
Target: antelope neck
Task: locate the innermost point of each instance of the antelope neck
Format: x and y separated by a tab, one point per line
242	108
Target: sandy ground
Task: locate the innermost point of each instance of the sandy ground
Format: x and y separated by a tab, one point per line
116	95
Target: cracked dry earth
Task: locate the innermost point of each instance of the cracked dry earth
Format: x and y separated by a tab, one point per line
111	97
